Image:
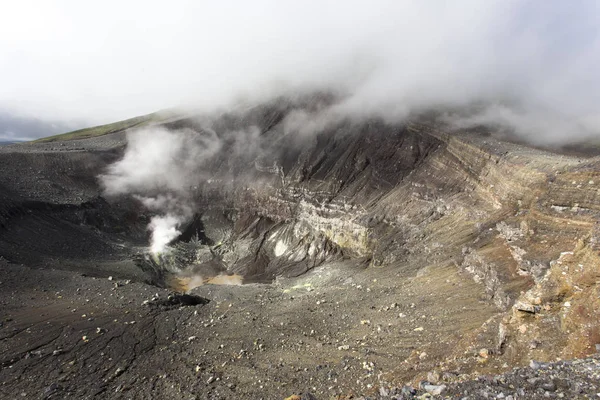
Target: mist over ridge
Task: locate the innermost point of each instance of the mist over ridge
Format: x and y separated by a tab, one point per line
533	65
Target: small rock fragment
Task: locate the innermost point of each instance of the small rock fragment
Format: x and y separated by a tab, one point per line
434	390
484	353
534	365
433	376
526	307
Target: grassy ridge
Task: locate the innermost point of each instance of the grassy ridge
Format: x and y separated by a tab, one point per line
106	129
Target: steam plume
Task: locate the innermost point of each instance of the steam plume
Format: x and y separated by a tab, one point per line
158	169
164	231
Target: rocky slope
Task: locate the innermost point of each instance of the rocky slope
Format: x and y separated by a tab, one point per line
373	256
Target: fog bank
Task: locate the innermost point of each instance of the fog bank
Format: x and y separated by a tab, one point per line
533	64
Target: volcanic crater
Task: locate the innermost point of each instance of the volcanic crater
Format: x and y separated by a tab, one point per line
347	260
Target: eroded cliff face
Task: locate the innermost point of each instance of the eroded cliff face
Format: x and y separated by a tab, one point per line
417	197
498	241
298	202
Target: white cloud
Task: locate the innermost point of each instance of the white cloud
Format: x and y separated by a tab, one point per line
115	59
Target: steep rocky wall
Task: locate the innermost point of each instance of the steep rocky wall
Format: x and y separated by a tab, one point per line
413	196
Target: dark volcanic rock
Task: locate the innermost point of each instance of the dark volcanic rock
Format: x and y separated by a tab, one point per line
178	300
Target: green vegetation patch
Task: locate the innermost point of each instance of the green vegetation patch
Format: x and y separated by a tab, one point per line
108	128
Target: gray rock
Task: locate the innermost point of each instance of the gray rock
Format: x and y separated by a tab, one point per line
408	391
526	307
434	389
535	365
433	376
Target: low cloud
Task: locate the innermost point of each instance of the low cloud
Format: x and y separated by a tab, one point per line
534	64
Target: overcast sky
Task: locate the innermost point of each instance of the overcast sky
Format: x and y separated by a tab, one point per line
107	60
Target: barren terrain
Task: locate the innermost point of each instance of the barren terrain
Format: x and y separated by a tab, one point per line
373	257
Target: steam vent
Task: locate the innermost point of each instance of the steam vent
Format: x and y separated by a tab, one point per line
275	251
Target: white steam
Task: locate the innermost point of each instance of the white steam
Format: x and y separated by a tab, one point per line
158	169
164	228
159	160
162	168
164	231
